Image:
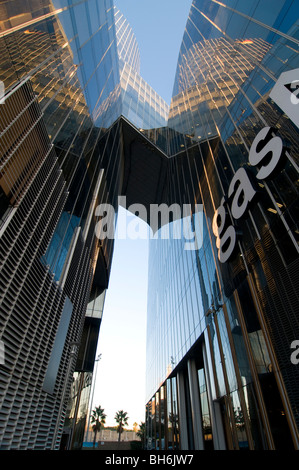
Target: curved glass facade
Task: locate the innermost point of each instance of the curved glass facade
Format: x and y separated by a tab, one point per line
222	318
127	46
141	104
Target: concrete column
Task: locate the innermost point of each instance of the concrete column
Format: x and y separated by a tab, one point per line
182	412
195	406
216	418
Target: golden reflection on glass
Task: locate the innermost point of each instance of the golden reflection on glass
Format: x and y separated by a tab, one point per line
209	78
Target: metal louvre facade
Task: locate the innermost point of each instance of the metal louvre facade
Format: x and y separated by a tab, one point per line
222	318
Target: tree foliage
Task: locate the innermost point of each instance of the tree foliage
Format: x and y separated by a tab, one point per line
98	417
141	433
121	418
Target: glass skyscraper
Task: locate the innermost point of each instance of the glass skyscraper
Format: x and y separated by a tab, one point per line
80	127
223	318
56	147
141	104
70	77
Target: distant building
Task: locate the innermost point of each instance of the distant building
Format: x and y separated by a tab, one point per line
110	435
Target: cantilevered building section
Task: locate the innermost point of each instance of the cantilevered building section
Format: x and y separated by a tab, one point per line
223	320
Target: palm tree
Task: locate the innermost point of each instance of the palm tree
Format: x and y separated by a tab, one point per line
135	426
141	433
98	417
121	418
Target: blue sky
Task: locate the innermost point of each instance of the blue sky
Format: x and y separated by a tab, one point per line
158	26
120	381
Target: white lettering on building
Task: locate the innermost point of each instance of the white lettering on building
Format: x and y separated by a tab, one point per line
266	154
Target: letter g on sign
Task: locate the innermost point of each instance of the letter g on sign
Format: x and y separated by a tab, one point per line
225	235
265	152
